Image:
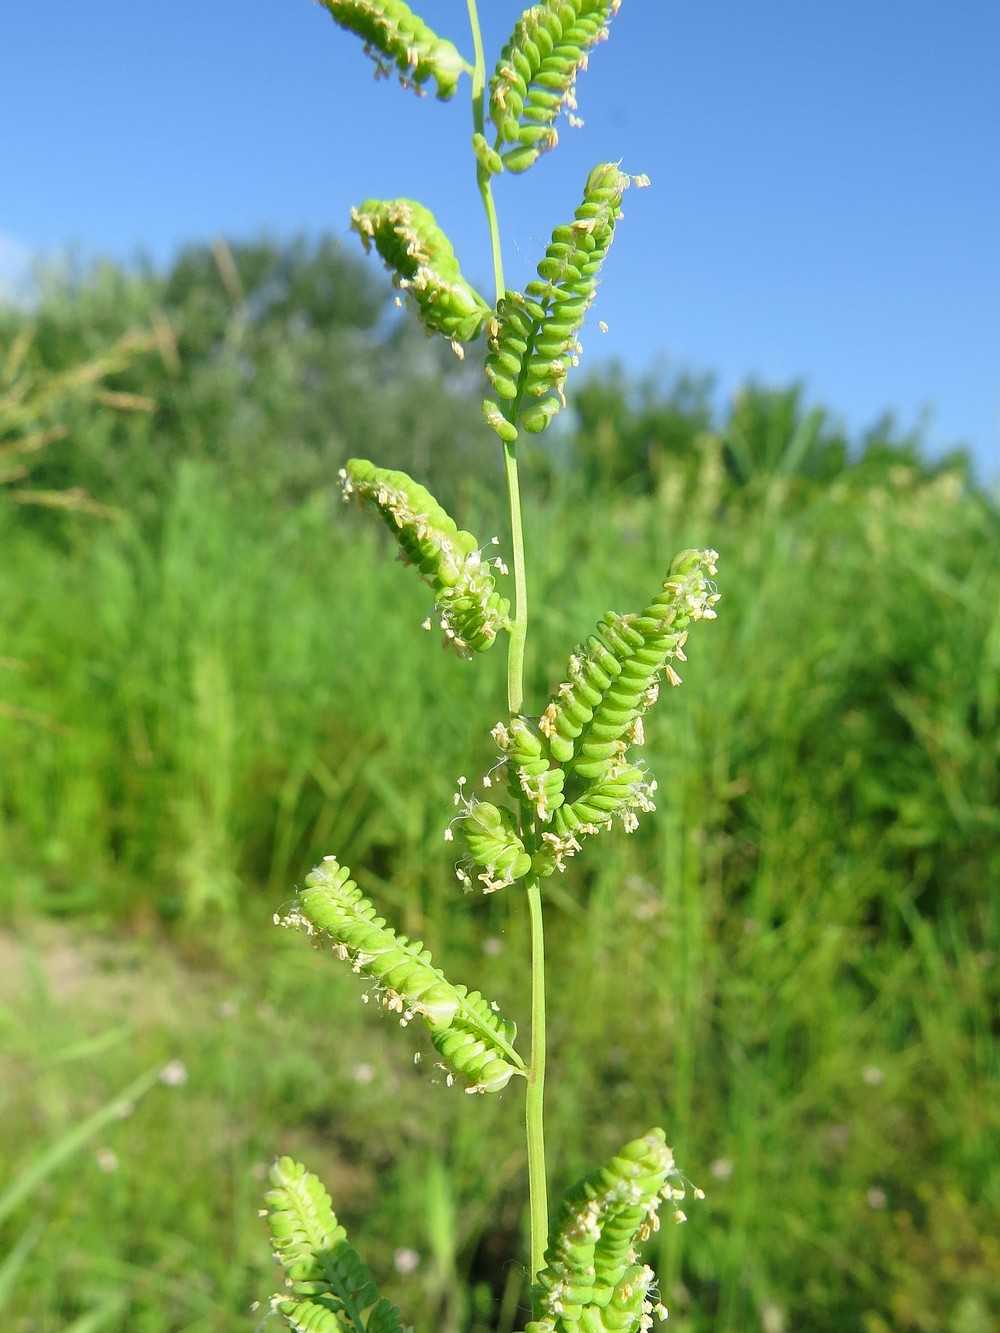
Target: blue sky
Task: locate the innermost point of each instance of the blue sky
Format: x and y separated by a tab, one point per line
825	177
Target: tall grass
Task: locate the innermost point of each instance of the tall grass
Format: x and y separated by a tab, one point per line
811	930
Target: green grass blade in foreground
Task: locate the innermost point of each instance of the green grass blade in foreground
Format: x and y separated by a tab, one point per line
117	1108
15	1259
96	1319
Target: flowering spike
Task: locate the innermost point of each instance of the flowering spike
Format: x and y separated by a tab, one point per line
573	765
325	1275
535	78
532	339
596	713
394	35
465	1029
531	775
592	1277
449	559
422	261
493	843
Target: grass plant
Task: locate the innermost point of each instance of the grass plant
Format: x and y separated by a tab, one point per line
566	772
793	965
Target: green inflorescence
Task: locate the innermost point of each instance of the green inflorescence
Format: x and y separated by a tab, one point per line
566	774
394	36
535	78
532	340
496	852
572	766
449	559
423	264
329	1288
593	1280
469	1034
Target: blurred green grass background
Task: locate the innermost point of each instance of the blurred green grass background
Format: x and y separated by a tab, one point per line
220	677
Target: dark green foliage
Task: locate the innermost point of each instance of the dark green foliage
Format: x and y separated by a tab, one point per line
272	360
644	434
638	433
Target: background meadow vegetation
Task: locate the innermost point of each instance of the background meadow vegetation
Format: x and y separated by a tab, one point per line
211	674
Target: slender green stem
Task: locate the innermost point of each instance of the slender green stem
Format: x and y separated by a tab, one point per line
479	124
534	1106
538	1206
519	624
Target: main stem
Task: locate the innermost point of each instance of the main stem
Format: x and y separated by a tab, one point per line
534	1110
534	1099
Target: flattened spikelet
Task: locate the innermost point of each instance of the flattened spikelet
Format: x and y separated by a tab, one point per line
394	36
422	261
325	1274
595	716
471	610
611	682
592	1278
535	78
468	1033
495	851
533	337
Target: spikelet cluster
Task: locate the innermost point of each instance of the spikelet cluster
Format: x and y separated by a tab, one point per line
470	609
467	1032
533	337
422	262
531	773
394	36
535	78
325	1276
592	1280
572	766
496	853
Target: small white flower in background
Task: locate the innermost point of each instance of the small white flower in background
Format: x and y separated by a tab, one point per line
721	1168
405	1260
872	1075
106	1159
363	1073
492	946
772	1318
228	1009
174	1074
876	1198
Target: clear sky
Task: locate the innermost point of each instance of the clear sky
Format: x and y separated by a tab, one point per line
825	176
